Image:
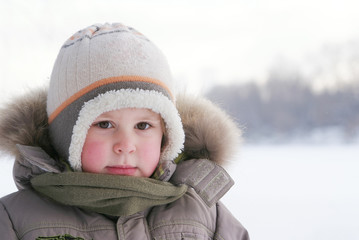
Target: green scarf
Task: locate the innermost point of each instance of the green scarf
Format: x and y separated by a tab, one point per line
112	195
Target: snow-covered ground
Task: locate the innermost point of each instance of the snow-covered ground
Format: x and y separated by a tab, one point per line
297	192
287	191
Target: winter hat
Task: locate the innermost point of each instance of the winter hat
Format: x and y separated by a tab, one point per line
107	67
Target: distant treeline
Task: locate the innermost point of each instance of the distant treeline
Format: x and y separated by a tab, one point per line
283	109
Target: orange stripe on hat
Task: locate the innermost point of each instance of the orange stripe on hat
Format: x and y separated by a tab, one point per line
102	83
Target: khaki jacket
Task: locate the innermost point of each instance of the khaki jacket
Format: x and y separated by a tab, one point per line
210	134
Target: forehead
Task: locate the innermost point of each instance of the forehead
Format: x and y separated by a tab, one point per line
131	112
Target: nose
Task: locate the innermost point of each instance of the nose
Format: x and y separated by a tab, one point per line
124	143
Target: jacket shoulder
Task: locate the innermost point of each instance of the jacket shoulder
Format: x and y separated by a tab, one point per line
6	226
188	215
228	227
32	215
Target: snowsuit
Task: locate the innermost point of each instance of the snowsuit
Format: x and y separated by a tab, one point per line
196	214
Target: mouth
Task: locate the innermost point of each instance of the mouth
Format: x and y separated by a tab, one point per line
122	170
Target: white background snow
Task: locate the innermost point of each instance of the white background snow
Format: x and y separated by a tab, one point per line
286	192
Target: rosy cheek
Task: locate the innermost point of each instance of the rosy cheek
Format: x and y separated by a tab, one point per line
91	156
151	153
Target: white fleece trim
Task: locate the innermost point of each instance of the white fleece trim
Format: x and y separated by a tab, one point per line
127	98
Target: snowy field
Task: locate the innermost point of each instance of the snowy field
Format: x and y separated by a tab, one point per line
297	192
287	192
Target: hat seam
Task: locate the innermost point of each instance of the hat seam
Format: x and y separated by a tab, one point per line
90	37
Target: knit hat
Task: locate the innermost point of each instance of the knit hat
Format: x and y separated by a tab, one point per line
107	67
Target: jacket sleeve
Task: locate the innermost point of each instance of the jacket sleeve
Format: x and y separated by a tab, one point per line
228	227
6	227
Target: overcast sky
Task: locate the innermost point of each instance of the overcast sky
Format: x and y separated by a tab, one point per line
205	41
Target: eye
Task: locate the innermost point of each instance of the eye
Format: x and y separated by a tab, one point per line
143	125
104	124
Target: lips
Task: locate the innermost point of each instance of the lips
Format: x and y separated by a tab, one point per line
122	170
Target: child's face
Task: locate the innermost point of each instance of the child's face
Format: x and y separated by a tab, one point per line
123	142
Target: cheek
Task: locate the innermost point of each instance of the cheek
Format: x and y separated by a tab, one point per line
153	150
91	156
150	154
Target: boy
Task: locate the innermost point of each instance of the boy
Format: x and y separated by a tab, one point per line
108	153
